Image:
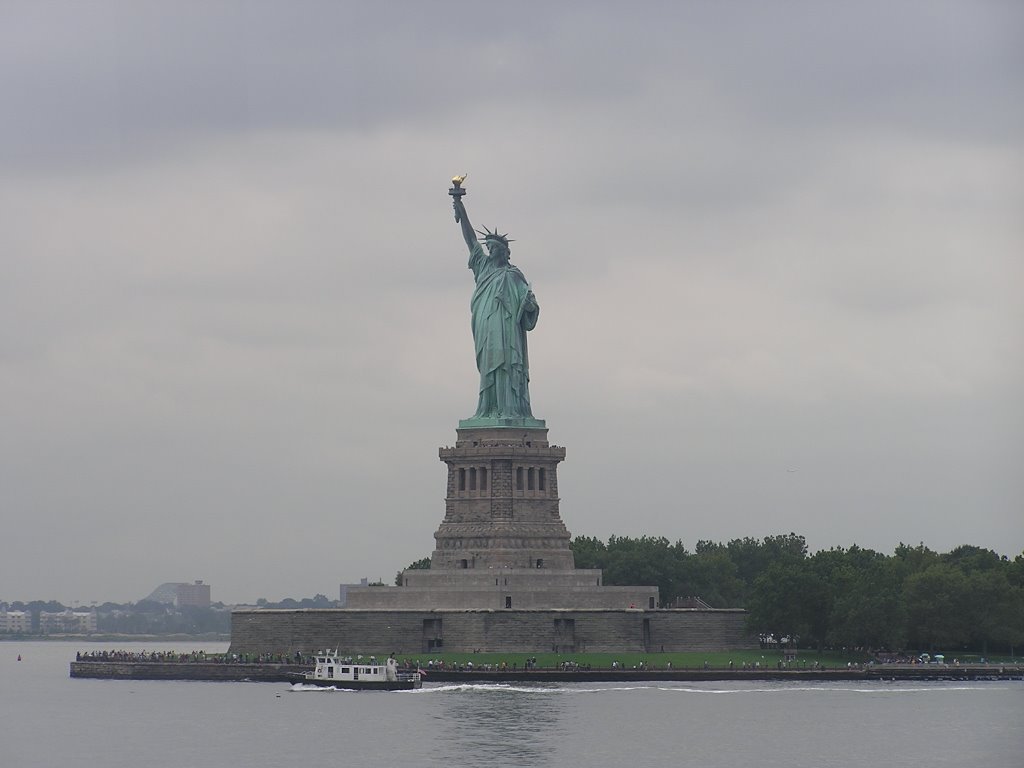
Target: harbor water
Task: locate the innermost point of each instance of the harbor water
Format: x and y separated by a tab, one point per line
48	719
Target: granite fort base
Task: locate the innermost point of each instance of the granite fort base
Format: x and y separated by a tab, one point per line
489	631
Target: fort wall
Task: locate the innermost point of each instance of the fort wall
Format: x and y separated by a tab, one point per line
488	631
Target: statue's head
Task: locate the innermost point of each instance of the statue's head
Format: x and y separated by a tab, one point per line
497	245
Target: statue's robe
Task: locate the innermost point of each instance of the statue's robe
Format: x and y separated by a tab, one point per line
500	323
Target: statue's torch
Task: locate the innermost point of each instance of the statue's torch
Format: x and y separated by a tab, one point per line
457	192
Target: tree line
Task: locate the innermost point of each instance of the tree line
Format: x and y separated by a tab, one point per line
969	598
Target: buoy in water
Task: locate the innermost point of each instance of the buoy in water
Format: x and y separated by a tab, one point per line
19	657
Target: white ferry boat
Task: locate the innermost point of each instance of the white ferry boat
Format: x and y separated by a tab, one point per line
334	671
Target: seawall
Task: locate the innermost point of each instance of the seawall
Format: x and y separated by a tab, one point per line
287	673
191	670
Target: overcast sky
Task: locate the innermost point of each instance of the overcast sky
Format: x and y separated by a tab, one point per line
777	248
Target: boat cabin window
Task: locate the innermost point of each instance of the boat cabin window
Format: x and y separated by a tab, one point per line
345	670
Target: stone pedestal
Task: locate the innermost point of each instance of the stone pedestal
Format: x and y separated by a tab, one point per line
501	507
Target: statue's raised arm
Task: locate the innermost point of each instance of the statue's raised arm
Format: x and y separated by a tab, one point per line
457	193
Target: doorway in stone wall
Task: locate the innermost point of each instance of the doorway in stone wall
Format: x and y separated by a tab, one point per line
564	636
433	640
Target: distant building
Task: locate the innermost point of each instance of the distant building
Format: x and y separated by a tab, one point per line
343	591
15	621
178	594
67	622
196	594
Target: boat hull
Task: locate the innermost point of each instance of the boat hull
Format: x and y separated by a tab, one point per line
362	685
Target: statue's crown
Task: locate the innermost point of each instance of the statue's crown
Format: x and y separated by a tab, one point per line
488	235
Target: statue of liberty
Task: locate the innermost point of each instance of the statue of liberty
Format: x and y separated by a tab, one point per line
504	309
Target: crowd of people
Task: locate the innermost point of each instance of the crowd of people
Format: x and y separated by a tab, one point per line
461	666
567	665
174	657
503	666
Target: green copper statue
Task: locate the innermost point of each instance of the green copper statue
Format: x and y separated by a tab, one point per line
504	309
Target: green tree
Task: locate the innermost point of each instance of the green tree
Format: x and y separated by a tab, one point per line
51	606
789	599
867	610
994	609
753	557
971	559
1010	631
1014	572
417	565
913	559
647	560
937	603
589	552
713	576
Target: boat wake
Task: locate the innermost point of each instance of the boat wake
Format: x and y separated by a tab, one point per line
488	688
888	689
300	687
